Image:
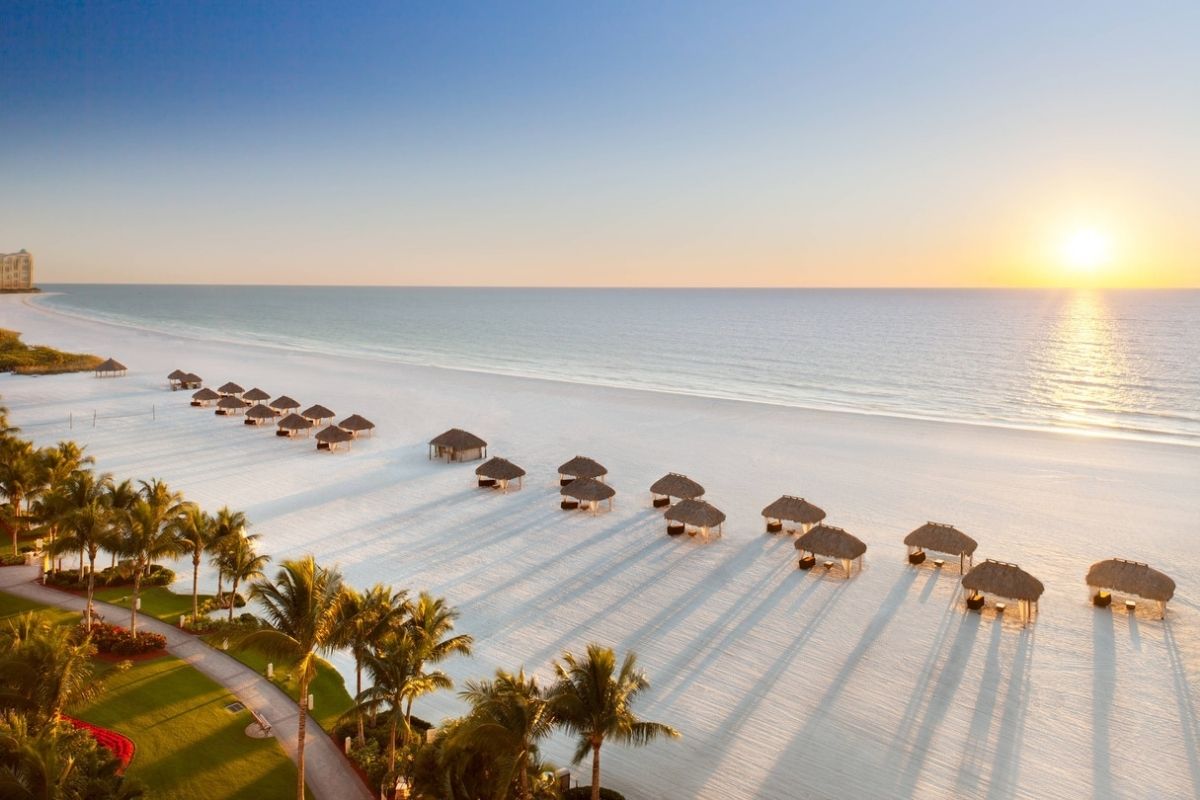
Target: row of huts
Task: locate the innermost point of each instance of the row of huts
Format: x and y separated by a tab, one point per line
583	485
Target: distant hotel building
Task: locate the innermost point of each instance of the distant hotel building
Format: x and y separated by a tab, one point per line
16	271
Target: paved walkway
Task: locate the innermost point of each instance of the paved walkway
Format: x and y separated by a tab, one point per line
327	772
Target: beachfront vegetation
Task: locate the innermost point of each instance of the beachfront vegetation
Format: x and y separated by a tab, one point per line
24	359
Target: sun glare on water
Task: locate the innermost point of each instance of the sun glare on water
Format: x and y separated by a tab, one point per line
1087	250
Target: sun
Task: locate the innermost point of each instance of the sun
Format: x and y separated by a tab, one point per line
1087	249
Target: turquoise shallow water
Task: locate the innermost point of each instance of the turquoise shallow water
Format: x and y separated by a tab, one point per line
1117	363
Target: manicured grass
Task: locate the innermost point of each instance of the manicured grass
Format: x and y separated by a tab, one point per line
188	746
328	689
157	601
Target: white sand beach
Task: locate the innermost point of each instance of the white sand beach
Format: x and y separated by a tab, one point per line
784	684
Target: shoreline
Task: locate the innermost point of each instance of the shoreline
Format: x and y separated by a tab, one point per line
1146	437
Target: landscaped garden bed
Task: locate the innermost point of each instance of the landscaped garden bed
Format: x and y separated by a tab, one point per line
120	746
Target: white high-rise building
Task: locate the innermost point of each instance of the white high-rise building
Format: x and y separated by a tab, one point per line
16	271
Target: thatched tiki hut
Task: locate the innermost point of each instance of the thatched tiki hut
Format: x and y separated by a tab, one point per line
293	424
831	542
356	424
329	438
319	414
230	405
256	395
203	397
110	368
675	485
586	494
1003	580
175	379
457	445
941	538
282	405
1130	578
230	389
792	509
697	515
191	381
496	473
581	467
258	415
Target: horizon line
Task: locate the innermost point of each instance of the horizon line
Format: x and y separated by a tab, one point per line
760	287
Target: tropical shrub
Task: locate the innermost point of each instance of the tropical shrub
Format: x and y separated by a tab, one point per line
11	560
115	640
585	793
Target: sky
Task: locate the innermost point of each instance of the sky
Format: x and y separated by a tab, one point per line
602	144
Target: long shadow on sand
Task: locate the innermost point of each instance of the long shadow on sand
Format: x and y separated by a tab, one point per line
1187	707
1104	674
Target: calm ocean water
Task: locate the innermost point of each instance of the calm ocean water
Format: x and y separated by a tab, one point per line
1104	362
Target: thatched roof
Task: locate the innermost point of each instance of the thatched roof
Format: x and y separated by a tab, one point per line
1003	579
588	490
355	422
260	412
500	469
458	439
1131	577
334	434
826	540
675	485
941	538
231	402
177	375
695	512
205	394
230	388
283	403
317	412
256	395
110	365
794	509
582	467
295	422
192	377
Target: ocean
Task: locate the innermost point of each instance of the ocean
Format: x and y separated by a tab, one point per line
1110	363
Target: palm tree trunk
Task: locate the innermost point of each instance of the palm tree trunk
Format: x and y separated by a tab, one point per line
137	594
300	727
233	597
81	563
362	733
91	587
195	588
596	771
392	747
220	583
523	776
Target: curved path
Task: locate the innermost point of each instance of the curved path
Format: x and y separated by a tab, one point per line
328	774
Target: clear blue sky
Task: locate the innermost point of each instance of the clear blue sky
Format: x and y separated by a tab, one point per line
616	143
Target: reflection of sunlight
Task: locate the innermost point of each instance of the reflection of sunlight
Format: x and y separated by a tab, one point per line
1083	367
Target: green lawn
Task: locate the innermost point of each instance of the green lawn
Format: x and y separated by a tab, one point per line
157	601
188	746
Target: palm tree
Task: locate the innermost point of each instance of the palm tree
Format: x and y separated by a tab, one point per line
594	701
145	535
302	607
86	519
509	716
431	621
20	480
46	667
242	564
229	523
195	532
366	618
121	498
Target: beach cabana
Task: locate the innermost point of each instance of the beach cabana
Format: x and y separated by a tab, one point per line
497	473
581	467
1003	580
256	395
175	379
1130	578
792	509
830	542
203	397
293	424
110	368
282	405
319	414
330	437
941	538
230	405
457	445
674	485
699	516
356	424
191	381
258	415
230	389
586	494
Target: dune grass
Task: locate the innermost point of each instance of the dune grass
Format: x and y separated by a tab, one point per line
188	745
23	359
